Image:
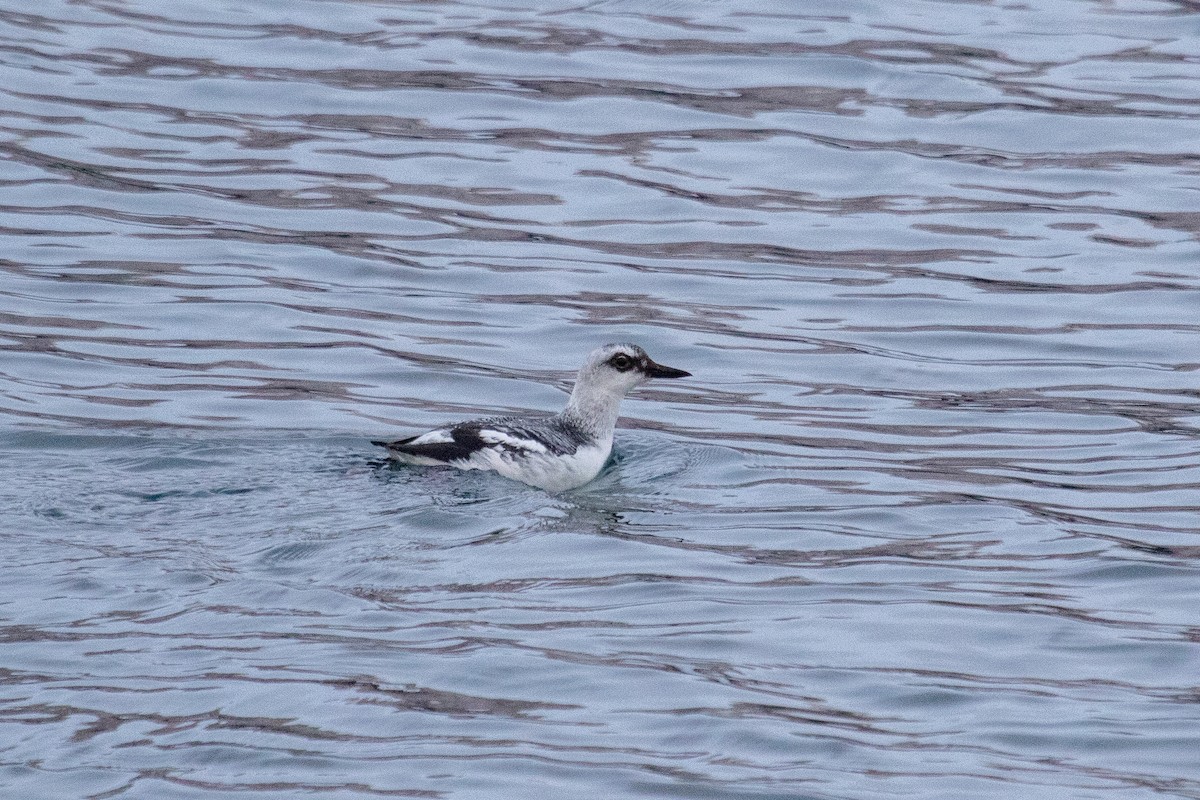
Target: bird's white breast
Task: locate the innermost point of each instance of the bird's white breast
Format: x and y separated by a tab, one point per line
554	473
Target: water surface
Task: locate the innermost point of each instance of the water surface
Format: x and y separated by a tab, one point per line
923	524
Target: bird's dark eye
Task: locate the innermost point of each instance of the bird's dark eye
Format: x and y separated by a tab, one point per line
621	362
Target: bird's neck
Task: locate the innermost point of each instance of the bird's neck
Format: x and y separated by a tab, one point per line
594	410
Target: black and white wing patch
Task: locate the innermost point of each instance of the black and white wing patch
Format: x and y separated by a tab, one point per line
505	438
443	445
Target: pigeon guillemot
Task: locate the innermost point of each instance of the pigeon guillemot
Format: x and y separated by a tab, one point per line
556	452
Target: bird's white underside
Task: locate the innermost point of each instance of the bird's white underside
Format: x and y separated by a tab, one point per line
554	473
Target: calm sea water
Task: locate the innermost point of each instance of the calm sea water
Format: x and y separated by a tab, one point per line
925	523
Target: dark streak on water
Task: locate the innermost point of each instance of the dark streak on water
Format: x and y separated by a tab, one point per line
925	523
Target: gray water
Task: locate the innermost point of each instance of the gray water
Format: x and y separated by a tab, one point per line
923	525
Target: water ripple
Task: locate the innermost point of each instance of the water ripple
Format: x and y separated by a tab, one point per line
923	522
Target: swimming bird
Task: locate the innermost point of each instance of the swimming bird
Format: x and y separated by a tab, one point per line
557	452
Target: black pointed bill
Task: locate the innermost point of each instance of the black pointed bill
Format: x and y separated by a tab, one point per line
659	371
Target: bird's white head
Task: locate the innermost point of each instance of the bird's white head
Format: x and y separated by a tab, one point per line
620	367
610	372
